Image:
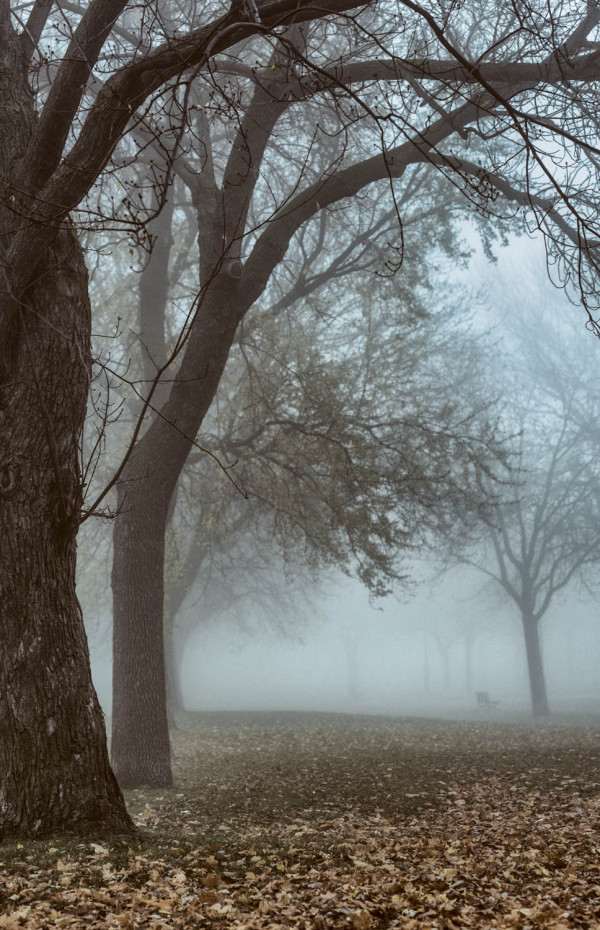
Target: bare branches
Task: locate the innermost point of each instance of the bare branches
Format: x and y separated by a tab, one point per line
577	39
512	76
341	184
68	88
371	79
131	84
65	186
126	90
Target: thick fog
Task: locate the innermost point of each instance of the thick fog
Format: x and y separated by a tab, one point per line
409	657
427	650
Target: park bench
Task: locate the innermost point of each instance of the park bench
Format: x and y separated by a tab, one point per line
484	702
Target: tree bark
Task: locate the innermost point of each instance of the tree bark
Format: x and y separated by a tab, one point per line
140	735
535	666
55	775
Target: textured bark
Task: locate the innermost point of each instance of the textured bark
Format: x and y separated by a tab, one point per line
535	666
54	771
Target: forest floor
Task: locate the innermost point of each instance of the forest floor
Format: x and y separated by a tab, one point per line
330	821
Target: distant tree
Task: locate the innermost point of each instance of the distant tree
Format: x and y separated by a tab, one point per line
303	443
546	531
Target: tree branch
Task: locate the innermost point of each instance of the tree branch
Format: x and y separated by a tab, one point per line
34	26
67	90
346	182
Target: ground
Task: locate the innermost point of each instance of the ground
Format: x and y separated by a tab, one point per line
330	821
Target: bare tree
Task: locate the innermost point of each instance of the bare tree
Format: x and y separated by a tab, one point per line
255	197
546	531
419	80
54	770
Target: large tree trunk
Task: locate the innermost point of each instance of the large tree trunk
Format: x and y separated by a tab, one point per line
54	771
55	775
140	736
535	666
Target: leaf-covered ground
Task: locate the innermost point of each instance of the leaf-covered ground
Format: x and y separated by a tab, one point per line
325	821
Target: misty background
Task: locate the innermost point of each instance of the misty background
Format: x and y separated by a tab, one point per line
441	638
397	658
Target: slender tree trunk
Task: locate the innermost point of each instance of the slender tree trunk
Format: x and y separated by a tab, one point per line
426	664
140	736
140	731
469	664
173	657
535	666
54	771
446	667
569	651
444	650
350	649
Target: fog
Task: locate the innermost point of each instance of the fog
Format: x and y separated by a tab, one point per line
427	651
402	659
398	658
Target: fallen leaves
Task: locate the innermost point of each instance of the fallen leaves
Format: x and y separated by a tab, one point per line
501	833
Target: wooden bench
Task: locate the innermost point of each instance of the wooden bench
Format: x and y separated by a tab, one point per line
484	702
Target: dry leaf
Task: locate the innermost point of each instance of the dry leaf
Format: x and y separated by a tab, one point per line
361	920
